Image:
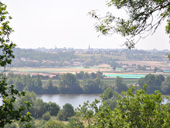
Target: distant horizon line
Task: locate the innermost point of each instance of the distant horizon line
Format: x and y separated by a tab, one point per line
95	48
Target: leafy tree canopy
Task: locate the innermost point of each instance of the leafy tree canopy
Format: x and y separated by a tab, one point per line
165	86
8	93
134	109
144	17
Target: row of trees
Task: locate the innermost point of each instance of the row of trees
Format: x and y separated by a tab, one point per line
84	75
153	82
79	75
68	84
28	83
156	82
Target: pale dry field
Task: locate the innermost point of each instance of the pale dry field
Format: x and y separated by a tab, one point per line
147	63
58	70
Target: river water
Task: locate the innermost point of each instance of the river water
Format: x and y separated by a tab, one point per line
74	99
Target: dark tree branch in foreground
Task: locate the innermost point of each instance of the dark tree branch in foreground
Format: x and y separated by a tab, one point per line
144	17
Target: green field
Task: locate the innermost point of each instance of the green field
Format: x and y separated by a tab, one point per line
133	76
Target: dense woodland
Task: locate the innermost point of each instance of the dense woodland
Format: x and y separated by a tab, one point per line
81	83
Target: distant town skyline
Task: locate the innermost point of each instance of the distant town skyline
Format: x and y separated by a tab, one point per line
53	23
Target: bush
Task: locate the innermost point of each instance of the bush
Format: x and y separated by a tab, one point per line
60	115
46	116
66	112
53	108
74	123
13	125
25	124
54	124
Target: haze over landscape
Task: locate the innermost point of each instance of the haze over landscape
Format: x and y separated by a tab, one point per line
65	74
41	23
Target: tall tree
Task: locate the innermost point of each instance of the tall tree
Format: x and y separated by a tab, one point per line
50	88
69	84
165	87
68	111
119	84
53	108
9	94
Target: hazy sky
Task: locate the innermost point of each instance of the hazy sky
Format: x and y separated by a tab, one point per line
65	23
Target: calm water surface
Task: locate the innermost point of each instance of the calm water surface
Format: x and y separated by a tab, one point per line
74	99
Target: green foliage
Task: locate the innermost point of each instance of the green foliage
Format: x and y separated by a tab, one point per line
153	81
60	115
119	85
75	123
139	109
134	109
109	98
29	96
25	124
82	75
65	113
9	94
68	111
50	88
115	65
54	124
40	124
69	84
53	108
90	86
139	23
46	116
165	86
26	83
87	112
139	67
38	107
107	94
12	125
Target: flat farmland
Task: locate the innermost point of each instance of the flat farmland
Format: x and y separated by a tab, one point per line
29	70
148	63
